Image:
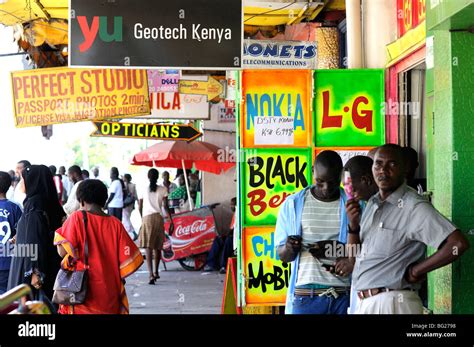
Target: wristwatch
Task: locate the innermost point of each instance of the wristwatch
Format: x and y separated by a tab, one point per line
350	231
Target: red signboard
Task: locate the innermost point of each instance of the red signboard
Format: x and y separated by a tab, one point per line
410	13
193	233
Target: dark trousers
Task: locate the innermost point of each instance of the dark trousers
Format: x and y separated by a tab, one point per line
222	248
3	280
116	212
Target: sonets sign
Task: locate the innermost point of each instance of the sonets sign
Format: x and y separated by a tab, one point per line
156	34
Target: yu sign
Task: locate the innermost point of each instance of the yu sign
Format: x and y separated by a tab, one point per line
143	33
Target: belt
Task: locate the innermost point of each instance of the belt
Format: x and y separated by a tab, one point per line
334	291
364	294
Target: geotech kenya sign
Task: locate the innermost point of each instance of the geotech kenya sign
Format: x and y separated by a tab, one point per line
175	132
179	33
63	95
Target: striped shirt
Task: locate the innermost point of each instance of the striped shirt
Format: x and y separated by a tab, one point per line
320	221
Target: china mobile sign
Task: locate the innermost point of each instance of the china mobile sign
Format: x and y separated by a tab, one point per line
142	33
193	233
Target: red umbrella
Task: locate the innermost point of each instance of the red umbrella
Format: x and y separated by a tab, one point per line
205	156
180	154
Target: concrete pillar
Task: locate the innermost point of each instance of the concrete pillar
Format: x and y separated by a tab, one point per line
354	34
379	19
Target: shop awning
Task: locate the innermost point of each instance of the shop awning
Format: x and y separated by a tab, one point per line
413	40
285	12
22	11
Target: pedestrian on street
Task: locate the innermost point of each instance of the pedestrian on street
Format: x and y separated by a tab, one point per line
41	216
394	230
18	196
58	183
179	196
85	174
170	186
129	205
67	186
151	202
75	178
114	204
10	214
112	255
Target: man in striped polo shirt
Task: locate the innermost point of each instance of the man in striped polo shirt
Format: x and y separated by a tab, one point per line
314	215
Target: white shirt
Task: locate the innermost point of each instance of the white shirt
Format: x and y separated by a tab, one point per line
10	193
19	196
72	205
152	201
67	184
116	188
320	221
10	196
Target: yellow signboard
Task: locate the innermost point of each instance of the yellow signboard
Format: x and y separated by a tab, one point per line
64	95
211	88
266	277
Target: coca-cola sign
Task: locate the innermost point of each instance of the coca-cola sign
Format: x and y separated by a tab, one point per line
186	230
193	234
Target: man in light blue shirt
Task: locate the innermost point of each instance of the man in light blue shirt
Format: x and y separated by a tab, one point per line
309	218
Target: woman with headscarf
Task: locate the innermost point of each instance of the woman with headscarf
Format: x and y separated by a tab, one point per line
36	261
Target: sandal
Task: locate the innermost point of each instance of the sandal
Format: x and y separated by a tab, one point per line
156	276
152	280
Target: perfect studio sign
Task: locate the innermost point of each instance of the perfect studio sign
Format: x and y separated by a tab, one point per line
165	34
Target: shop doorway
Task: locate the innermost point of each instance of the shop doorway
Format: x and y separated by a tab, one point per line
412	119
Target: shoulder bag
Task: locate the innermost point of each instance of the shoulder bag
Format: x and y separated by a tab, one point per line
70	287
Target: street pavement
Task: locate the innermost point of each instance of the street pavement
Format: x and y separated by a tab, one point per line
176	292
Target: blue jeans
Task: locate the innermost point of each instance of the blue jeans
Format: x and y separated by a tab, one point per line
320	304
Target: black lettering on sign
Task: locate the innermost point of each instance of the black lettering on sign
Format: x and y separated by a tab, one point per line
279	278
292	171
147	131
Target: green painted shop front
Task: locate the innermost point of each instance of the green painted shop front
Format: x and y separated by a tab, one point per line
450	140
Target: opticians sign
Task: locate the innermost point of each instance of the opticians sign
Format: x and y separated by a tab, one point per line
349	108
167	34
174	132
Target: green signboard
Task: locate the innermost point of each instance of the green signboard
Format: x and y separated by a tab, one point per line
269	176
349	108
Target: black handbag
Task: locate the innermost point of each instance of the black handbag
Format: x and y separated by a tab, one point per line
70	287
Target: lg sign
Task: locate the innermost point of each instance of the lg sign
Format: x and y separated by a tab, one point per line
99	25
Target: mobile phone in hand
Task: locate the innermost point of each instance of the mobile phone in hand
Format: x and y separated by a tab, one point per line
348	185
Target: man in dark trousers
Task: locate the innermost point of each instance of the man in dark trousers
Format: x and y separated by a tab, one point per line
394	230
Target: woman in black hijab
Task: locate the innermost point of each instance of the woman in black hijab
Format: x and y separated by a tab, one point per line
36	261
